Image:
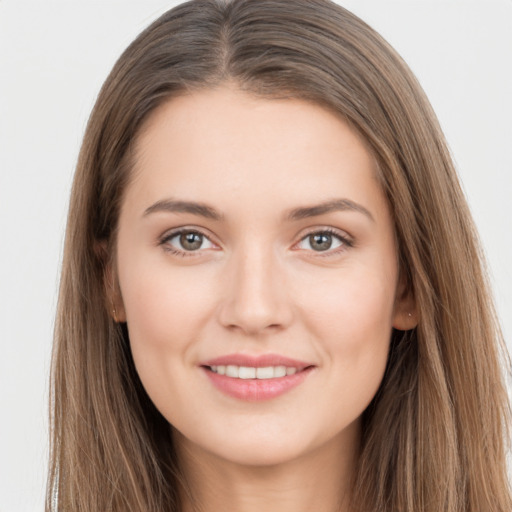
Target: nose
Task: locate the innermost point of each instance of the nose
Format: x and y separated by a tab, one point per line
257	298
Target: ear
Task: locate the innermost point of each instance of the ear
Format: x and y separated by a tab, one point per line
405	315
112	293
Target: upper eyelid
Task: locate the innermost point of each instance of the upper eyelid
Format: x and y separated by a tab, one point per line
171	233
327	229
318	229
343	235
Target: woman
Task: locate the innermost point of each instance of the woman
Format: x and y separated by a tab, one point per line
272	291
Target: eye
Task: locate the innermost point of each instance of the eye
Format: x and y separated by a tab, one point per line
324	241
186	241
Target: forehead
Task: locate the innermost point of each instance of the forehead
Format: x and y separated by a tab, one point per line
226	144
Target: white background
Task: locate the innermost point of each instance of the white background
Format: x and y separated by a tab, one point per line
54	56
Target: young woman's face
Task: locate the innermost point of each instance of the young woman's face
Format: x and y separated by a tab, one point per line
258	275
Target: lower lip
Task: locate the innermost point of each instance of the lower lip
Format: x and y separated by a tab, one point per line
255	390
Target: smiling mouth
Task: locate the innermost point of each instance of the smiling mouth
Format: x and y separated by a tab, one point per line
257	383
256	377
252	372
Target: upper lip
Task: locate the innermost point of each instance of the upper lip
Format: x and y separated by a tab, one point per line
259	361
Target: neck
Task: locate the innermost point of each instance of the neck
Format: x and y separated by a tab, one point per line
319	480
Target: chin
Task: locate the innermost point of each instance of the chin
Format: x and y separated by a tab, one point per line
253	448
258	455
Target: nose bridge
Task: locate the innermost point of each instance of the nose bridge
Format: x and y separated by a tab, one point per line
256	298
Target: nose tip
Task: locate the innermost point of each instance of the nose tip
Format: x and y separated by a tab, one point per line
257	299
252	320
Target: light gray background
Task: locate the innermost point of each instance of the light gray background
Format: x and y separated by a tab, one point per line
54	56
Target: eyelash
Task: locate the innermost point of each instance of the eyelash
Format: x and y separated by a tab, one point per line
164	242
346	242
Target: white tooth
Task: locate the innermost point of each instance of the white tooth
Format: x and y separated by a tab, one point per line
246	372
279	371
265	373
232	371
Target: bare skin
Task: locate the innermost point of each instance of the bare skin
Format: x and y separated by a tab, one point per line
318	483
257	228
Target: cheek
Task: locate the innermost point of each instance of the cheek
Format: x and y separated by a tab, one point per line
165	311
354	306
163	305
352	319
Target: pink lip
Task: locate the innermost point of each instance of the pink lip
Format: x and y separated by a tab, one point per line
256	389
256	361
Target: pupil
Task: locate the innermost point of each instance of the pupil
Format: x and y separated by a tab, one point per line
191	241
320	242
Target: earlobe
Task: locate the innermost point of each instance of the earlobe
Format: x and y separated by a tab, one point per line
405	315
113	294
113	299
117	307
405	321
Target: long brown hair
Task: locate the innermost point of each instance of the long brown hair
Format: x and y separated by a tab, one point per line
435	436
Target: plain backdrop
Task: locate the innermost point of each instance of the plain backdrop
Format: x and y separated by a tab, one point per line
54	55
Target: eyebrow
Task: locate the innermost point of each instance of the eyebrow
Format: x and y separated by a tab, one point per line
171	205
333	205
203	210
